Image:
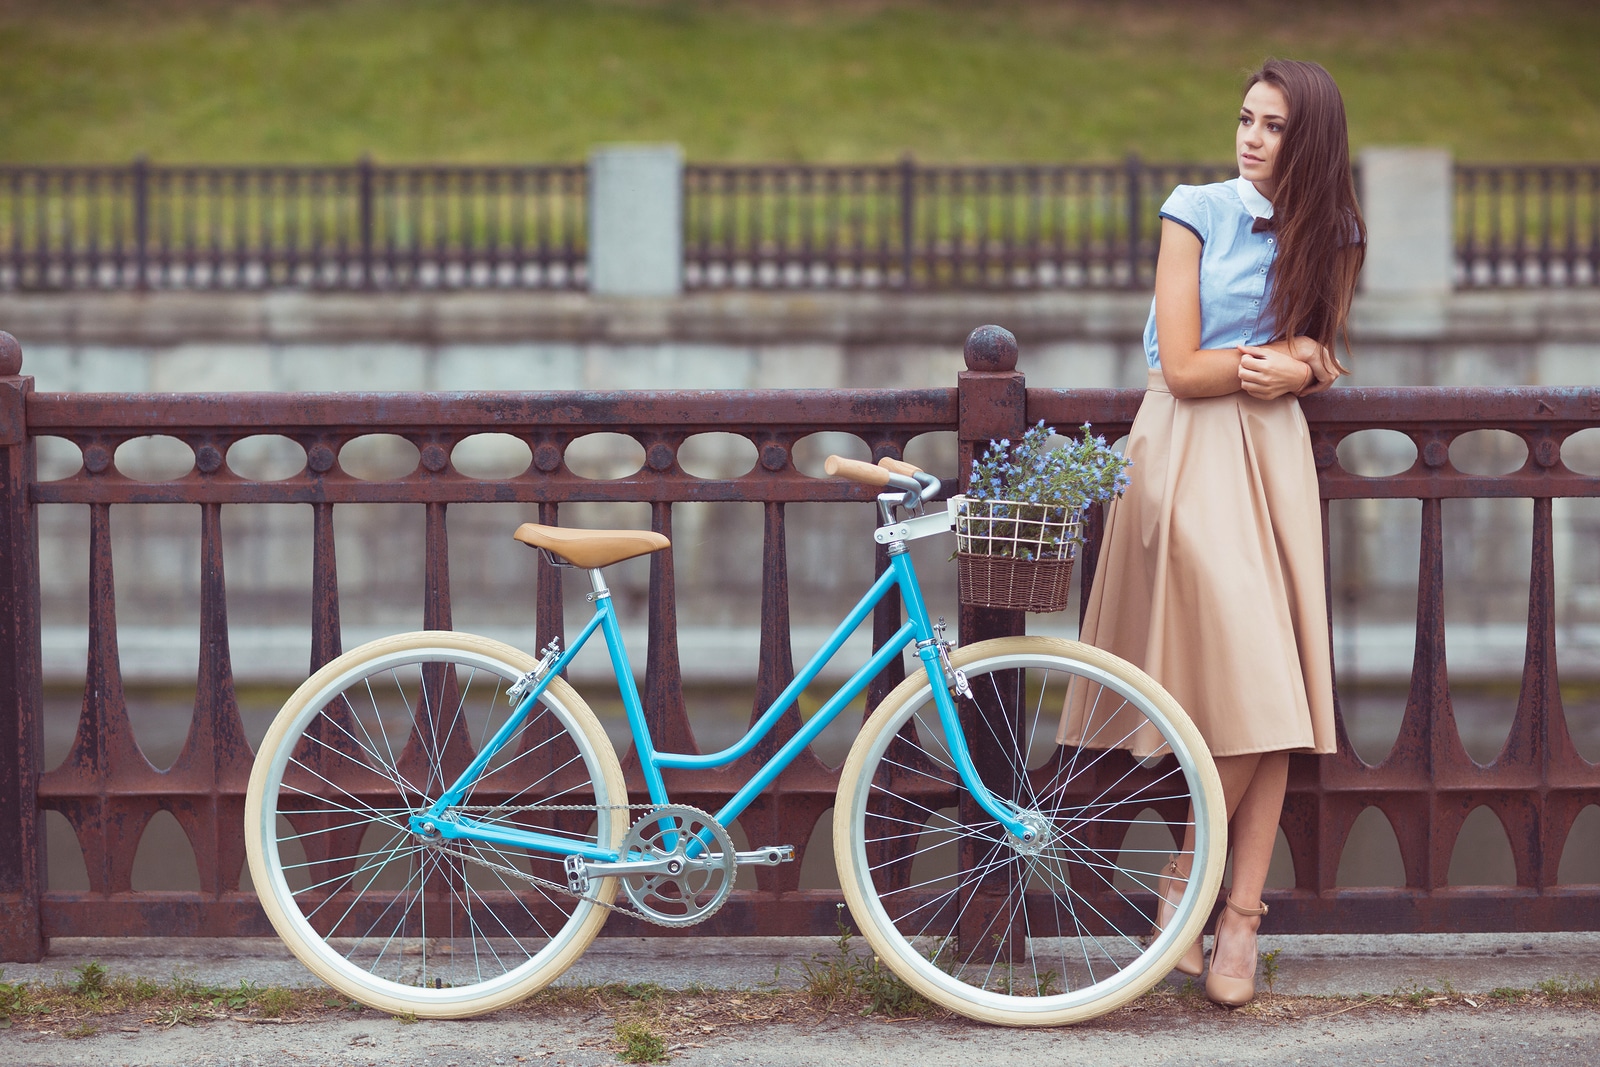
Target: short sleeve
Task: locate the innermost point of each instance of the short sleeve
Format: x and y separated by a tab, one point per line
1190	210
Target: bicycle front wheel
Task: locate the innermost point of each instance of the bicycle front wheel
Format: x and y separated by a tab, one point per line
1060	929
435	928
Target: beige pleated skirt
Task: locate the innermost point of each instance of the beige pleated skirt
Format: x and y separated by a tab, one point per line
1211	576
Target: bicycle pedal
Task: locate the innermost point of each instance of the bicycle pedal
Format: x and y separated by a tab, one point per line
769	856
577	874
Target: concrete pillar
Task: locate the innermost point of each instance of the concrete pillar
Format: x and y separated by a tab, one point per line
1407	198
636	220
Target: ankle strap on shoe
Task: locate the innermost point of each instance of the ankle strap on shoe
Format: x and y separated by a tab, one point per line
1262	910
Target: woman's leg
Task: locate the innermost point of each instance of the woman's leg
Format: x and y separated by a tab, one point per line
1255	804
1236	772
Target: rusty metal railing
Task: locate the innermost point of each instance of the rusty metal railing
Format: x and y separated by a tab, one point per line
108	791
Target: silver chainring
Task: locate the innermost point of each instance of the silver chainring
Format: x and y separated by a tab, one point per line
705	879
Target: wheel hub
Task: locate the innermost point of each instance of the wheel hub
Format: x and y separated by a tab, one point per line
1040	829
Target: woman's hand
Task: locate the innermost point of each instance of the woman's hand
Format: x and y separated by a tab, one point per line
1324	367
1267	373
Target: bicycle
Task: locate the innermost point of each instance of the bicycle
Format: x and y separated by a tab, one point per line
437	824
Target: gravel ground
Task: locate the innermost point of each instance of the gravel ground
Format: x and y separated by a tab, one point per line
1457	1035
1345	1001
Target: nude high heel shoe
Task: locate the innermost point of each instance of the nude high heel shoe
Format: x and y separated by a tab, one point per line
1220	988
1192	962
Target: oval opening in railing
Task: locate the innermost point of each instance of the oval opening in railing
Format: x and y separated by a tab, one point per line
813	450
817	867
1146	844
717	455
604	456
154	459
1581	452
1482	853
58	458
1488	452
165	858
1580	693
66	867
491	456
1580	860
1377	453
378	457
935	453
1371	855
266	457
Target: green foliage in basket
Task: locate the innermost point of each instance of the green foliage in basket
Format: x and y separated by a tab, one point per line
1030	496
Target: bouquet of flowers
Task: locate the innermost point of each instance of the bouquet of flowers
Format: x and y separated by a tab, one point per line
1020	522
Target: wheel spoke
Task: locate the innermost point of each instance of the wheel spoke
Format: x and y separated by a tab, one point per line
1055	929
440	927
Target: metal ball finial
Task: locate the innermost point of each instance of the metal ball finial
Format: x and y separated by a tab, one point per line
10	355
991	348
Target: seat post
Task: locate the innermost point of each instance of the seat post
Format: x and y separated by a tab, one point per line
597	582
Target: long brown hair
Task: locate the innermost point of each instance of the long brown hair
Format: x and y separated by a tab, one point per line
1322	239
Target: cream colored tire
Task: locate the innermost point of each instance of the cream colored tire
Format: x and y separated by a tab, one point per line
382	916
1063	930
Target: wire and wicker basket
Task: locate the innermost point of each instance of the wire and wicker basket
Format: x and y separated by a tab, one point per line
1015	554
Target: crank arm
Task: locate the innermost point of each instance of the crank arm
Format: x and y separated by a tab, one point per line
770	856
672	865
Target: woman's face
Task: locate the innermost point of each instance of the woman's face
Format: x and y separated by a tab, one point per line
1262	118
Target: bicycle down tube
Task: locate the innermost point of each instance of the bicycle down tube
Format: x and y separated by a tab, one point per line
900	574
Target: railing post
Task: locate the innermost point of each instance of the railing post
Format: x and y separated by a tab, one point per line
992	404
1134	171
1407	199
21	696
364	193
636	220
908	216
141	222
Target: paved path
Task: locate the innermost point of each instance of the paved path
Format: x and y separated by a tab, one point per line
1283	1031
1308	965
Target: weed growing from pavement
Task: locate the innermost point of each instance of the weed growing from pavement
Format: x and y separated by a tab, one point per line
1571	987
640	1044
91	981
844	978
70	1006
1269	968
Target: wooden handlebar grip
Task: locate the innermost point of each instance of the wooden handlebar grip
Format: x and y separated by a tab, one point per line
855	470
899	466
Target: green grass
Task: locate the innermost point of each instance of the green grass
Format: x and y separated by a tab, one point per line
817	80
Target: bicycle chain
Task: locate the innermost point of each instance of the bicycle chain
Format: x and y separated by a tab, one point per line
545	883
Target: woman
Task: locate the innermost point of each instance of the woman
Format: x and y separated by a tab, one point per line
1211	574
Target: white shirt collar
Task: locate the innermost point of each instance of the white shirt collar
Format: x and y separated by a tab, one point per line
1258	205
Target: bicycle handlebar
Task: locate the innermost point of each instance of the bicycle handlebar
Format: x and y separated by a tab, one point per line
917	485
858	471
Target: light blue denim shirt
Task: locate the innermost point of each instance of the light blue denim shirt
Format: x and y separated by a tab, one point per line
1235	264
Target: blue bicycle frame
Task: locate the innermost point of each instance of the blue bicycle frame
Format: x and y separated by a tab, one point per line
917	630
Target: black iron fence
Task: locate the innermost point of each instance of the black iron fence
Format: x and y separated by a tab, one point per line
906	225
914	226
144	226
1534	225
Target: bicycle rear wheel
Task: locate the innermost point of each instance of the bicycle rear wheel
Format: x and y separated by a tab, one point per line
433	928
1059	930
